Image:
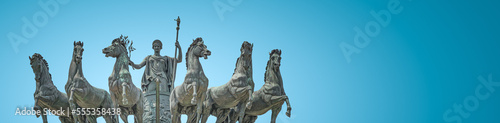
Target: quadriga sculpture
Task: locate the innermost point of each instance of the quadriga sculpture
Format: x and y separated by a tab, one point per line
234	94
124	93
46	94
191	93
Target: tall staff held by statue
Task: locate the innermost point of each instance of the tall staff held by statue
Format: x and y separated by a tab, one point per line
173	77
176	41
158	81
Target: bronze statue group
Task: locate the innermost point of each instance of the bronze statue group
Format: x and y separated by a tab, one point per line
157	100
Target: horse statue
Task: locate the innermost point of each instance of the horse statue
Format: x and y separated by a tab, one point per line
83	95
235	93
189	96
124	93
46	94
271	95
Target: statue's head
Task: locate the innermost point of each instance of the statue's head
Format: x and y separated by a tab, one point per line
38	64
77	51
117	47
157	45
274	59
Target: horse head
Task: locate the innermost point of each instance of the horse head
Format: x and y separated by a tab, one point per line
77	52
117	47
274	59
273	66
39	66
198	49
245	59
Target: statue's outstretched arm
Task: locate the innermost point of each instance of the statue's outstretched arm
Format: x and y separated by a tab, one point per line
138	66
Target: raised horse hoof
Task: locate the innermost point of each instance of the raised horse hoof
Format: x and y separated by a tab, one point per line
36	108
249	105
193	101
288	111
125	101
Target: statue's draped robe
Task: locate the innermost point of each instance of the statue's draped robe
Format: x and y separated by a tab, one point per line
162	68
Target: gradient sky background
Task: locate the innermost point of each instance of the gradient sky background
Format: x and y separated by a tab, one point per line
427	59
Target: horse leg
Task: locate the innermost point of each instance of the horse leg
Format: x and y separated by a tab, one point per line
37	108
250	119
222	115
199	108
279	100
49	99
195	94
205	113
229	116
72	105
136	119
91	119
124	93
243	107
207	107
64	119
138	110
232	115
44	116
124	117
77	90
289	107
250	99
110	118
114	101
176	118
276	110
191	115
174	108
108	105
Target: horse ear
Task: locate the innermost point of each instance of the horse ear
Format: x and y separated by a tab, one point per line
82	44
280	52
74	43
30	58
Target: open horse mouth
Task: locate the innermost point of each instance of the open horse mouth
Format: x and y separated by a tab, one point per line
206	54
105	51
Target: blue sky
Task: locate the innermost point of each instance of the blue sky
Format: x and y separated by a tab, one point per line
420	64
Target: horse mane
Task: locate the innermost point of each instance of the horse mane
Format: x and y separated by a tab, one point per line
274	51
123	41
195	41
38	56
